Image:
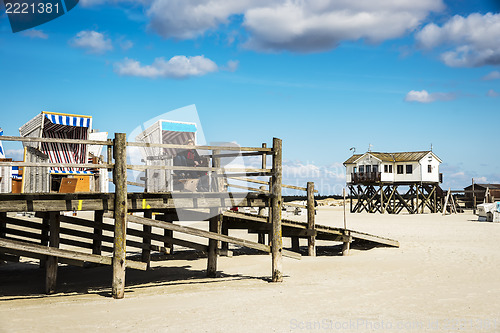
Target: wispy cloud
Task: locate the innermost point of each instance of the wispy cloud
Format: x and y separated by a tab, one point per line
34	33
92	42
177	67
423	96
495	75
492	93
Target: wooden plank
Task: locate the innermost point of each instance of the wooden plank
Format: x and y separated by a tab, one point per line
120	180
146	253
186	168
256	181
214	222
52	140
208	234
98	222
56	165
49	251
276	202
175	146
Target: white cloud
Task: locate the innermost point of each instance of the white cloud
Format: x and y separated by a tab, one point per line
294	25
232	65
92	41
34	33
177	67
491	76
15	154
492	93
126	44
423	96
472	41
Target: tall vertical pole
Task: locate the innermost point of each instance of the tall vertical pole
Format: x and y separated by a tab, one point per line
311	215
215	219
146	239
277	243
120	180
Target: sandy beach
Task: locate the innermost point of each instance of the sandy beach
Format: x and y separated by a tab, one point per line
443	278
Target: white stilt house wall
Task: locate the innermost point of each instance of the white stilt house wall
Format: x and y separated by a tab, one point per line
374	178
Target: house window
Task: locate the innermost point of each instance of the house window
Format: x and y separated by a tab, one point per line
386	168
390	168
429	168
361	168
409	169
355	169
375	168
368	168
400	169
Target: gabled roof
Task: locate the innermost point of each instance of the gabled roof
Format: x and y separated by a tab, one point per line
413	156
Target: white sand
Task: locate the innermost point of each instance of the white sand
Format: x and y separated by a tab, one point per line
445	277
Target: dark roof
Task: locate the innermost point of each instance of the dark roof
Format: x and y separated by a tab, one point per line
490	186
412	156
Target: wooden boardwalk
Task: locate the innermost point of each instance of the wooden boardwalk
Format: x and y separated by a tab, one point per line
290	228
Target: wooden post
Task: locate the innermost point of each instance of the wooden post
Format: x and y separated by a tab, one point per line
416	199
119	248
277	241
167	233
51	263
382	210
435	199
261	235
44	236
97	242
311	240
3	225
346	246
295	243
473	198
215	220
146	239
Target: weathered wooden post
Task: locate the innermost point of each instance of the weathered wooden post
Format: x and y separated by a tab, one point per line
346	246
120	180
146	239
261	235
51	263
215	219
382	210
311	216
97	241
277	241
3	225
44	236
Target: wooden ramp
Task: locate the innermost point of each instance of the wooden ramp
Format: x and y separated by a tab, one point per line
254	223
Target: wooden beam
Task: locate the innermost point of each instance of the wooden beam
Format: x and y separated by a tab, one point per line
52	140
175	146
49	251
208	234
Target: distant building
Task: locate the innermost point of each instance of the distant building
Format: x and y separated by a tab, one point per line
480	191
397	168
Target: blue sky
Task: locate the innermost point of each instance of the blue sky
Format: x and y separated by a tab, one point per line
322	75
